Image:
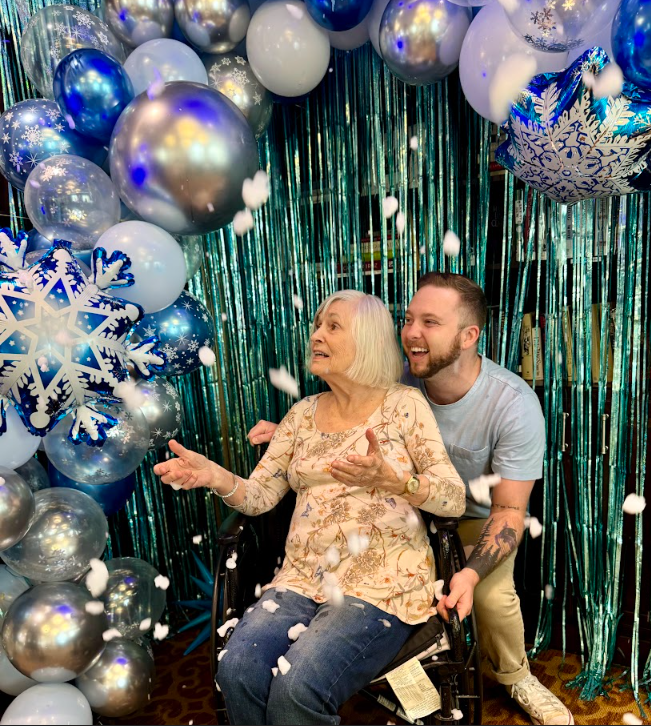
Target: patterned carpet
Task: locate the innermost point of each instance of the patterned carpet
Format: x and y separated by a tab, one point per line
183	694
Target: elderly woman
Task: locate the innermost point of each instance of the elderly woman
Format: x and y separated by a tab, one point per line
358	573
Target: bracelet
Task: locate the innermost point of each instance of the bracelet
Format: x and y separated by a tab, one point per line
232	491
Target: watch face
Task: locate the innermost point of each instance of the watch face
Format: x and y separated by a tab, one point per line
413	485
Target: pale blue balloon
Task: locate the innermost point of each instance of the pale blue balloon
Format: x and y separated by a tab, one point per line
17	445
121	454
157	263
161	61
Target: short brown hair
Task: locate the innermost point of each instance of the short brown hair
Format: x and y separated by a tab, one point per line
472	296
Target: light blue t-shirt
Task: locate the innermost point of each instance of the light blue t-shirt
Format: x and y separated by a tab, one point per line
497	427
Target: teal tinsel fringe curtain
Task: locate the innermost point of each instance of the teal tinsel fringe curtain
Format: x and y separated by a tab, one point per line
360	137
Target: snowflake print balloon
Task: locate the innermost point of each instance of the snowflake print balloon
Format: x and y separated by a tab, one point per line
64	344
32	131
182	329
572	146
53	33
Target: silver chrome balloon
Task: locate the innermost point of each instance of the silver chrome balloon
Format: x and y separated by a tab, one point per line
120	681
194	252
232	75
53	33
67	530
179	160
32	471
213	26
48	635
420	41
162	409
131	596
135	22
11	585
16	508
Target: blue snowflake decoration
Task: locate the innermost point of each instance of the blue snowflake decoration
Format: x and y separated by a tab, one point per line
206	584
64	344
570	145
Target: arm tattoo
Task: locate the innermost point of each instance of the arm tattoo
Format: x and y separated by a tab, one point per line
496	542
505	506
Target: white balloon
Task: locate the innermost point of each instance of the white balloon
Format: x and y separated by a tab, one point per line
12	681
602	38
17	445
490	40
349	39
157	263
161	61
373	20
288	52
49	703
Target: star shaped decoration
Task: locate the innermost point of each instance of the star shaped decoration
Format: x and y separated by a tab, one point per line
64	344
566	143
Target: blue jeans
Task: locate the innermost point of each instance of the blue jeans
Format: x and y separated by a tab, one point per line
341	651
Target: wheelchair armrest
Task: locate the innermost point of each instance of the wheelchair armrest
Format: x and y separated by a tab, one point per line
231	529
448	524
456	631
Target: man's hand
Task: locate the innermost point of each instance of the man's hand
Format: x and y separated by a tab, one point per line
261	433
189	470
371	470
462	588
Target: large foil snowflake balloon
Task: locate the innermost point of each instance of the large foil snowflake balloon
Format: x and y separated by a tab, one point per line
64	344
573	146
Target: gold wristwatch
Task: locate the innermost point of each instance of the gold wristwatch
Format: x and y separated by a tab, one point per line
412	485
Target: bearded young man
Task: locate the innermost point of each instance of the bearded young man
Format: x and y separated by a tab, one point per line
491	422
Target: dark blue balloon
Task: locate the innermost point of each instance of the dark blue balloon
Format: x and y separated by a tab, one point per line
182	329
93	89
631	37
110	497
338	14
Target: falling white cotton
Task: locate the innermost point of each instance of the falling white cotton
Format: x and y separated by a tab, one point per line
385	622
332	556
283	380
274	671
161	631
94	607
413	143
549	592
176	487
511	77
258	590
207	356
481	486
197	539
255	192
298	302
451	244
389	207
284	665
97	578
161	582
634	504
222	653
231	562
295	631
131	395
438	589
609	82
145	624
357	543
221	630
631	719
457	714
534	526
400	223
270	606
110	634
242	222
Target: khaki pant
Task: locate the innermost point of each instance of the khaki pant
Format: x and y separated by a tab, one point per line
497	609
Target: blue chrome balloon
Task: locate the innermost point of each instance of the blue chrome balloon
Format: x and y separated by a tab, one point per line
182	328
110	497
32	131
338	15
631	37
93	89
570	145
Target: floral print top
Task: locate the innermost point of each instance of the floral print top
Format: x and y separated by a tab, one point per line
376	542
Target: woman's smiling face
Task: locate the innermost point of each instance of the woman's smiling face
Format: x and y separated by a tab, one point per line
332	344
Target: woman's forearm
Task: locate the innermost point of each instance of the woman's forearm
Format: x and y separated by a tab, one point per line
226	482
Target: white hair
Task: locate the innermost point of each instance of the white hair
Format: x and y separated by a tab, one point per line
378	359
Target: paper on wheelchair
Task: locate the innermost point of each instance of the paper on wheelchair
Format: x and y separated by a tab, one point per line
415	691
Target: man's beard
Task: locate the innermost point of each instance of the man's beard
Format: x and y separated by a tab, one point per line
439	362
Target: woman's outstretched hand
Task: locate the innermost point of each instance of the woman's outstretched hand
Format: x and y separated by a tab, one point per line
372	470
188	469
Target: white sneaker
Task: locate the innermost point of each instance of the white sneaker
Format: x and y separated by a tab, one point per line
539	702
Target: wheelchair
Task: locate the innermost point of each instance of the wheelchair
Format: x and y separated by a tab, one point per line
449	652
